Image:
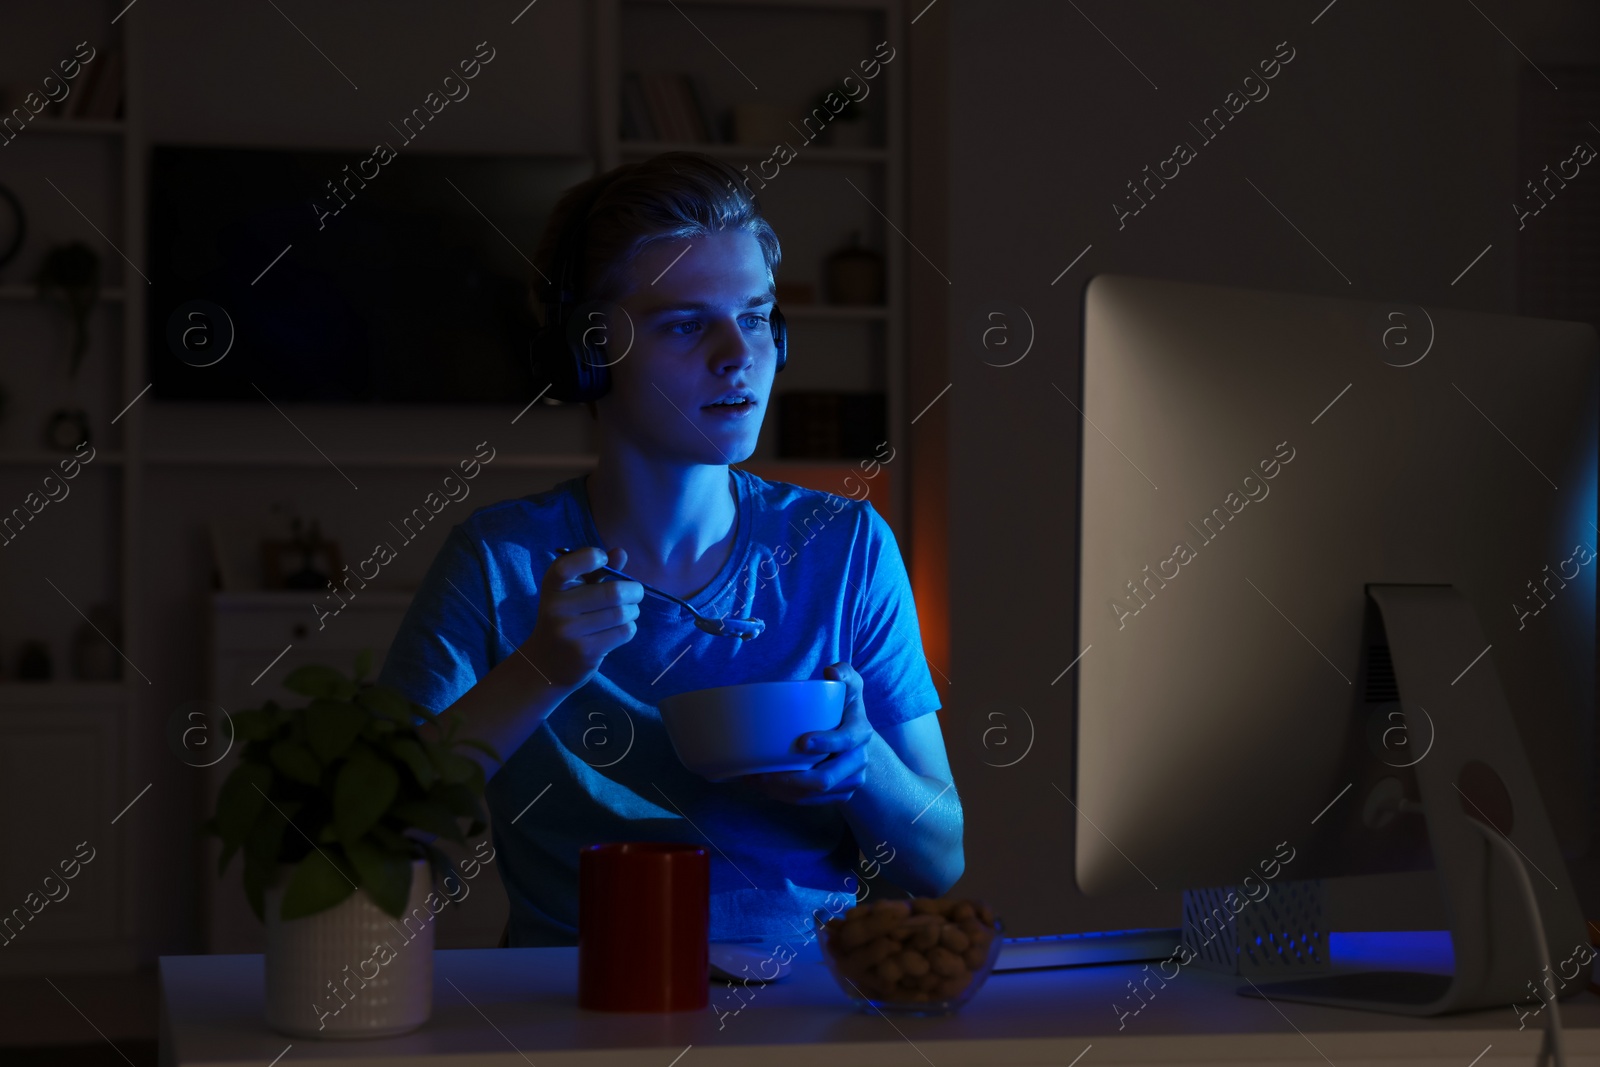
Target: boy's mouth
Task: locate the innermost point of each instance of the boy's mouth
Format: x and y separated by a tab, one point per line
734	398
733	408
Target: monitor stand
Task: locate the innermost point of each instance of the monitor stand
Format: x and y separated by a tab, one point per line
1476	770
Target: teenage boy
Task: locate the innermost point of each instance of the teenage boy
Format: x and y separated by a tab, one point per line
561	672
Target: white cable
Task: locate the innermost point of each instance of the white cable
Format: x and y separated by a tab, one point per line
1552	1035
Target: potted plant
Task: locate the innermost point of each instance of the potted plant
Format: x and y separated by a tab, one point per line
848	128
335	806
70	276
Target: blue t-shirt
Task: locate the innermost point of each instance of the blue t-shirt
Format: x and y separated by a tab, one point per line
822	571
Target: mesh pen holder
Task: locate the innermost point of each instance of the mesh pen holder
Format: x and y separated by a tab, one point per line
1279	935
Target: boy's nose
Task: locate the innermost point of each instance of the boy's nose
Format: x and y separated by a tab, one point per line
736	349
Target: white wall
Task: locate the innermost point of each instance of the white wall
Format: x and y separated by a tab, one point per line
242	74
1389	140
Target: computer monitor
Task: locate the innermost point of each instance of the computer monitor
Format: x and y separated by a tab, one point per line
1275	490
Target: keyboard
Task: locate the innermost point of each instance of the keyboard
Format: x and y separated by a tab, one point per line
1071	950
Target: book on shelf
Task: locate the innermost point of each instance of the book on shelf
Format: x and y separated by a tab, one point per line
819	425
661	96
705	122
637	125
672	108
103	98
77	105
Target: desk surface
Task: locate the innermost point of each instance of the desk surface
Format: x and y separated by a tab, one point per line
518	1007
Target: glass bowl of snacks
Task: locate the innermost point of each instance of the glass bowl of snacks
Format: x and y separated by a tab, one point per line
923	956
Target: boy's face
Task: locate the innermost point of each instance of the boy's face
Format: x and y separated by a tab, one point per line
701	329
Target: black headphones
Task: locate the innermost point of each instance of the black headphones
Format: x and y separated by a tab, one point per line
569	349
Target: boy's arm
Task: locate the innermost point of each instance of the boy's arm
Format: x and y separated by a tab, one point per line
891	783
440	658
506	707
579	623
909	800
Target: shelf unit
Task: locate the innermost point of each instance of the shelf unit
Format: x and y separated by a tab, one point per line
66	745
31	292
79	127
21	457
719	36
108	726
628	149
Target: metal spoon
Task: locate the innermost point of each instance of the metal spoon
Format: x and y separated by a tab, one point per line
743	629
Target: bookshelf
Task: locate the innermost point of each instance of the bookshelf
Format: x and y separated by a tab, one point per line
77	752
66	744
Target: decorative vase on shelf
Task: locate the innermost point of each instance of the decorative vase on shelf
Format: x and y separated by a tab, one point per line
855	134
352	970
854	274
94	657
66	429
33	662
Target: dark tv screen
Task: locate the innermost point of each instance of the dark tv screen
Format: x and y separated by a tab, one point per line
416	289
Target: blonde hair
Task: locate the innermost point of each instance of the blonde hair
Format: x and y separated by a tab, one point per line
671	196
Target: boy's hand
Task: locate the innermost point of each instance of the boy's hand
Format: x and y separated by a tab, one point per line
580	620
838	776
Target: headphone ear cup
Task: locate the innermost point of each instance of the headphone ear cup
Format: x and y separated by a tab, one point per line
553	367
780	336
590	345
594	375
564	358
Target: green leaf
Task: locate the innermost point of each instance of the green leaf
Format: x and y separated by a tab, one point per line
265	840
385	875
313	680
459	798
363	663
381	700
255	725
379	728
430	816
228	849
319	881
441	866
239	801
453	767
365	788
256	875
410	753
331	728
482	746
395	841
262	853
297	762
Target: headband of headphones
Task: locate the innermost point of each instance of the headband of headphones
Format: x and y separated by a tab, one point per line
576	369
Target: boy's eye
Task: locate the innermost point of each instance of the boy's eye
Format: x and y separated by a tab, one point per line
688	327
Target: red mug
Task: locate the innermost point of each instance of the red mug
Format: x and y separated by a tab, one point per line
644	917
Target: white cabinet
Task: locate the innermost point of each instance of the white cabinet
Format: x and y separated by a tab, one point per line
257	639
58	775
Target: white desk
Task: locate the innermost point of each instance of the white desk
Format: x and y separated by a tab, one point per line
516	1007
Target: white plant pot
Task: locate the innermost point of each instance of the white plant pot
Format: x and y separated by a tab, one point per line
353	970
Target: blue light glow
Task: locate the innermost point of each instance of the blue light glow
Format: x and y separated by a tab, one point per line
1394	950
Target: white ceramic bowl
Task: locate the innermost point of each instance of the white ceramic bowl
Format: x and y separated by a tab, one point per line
734	730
